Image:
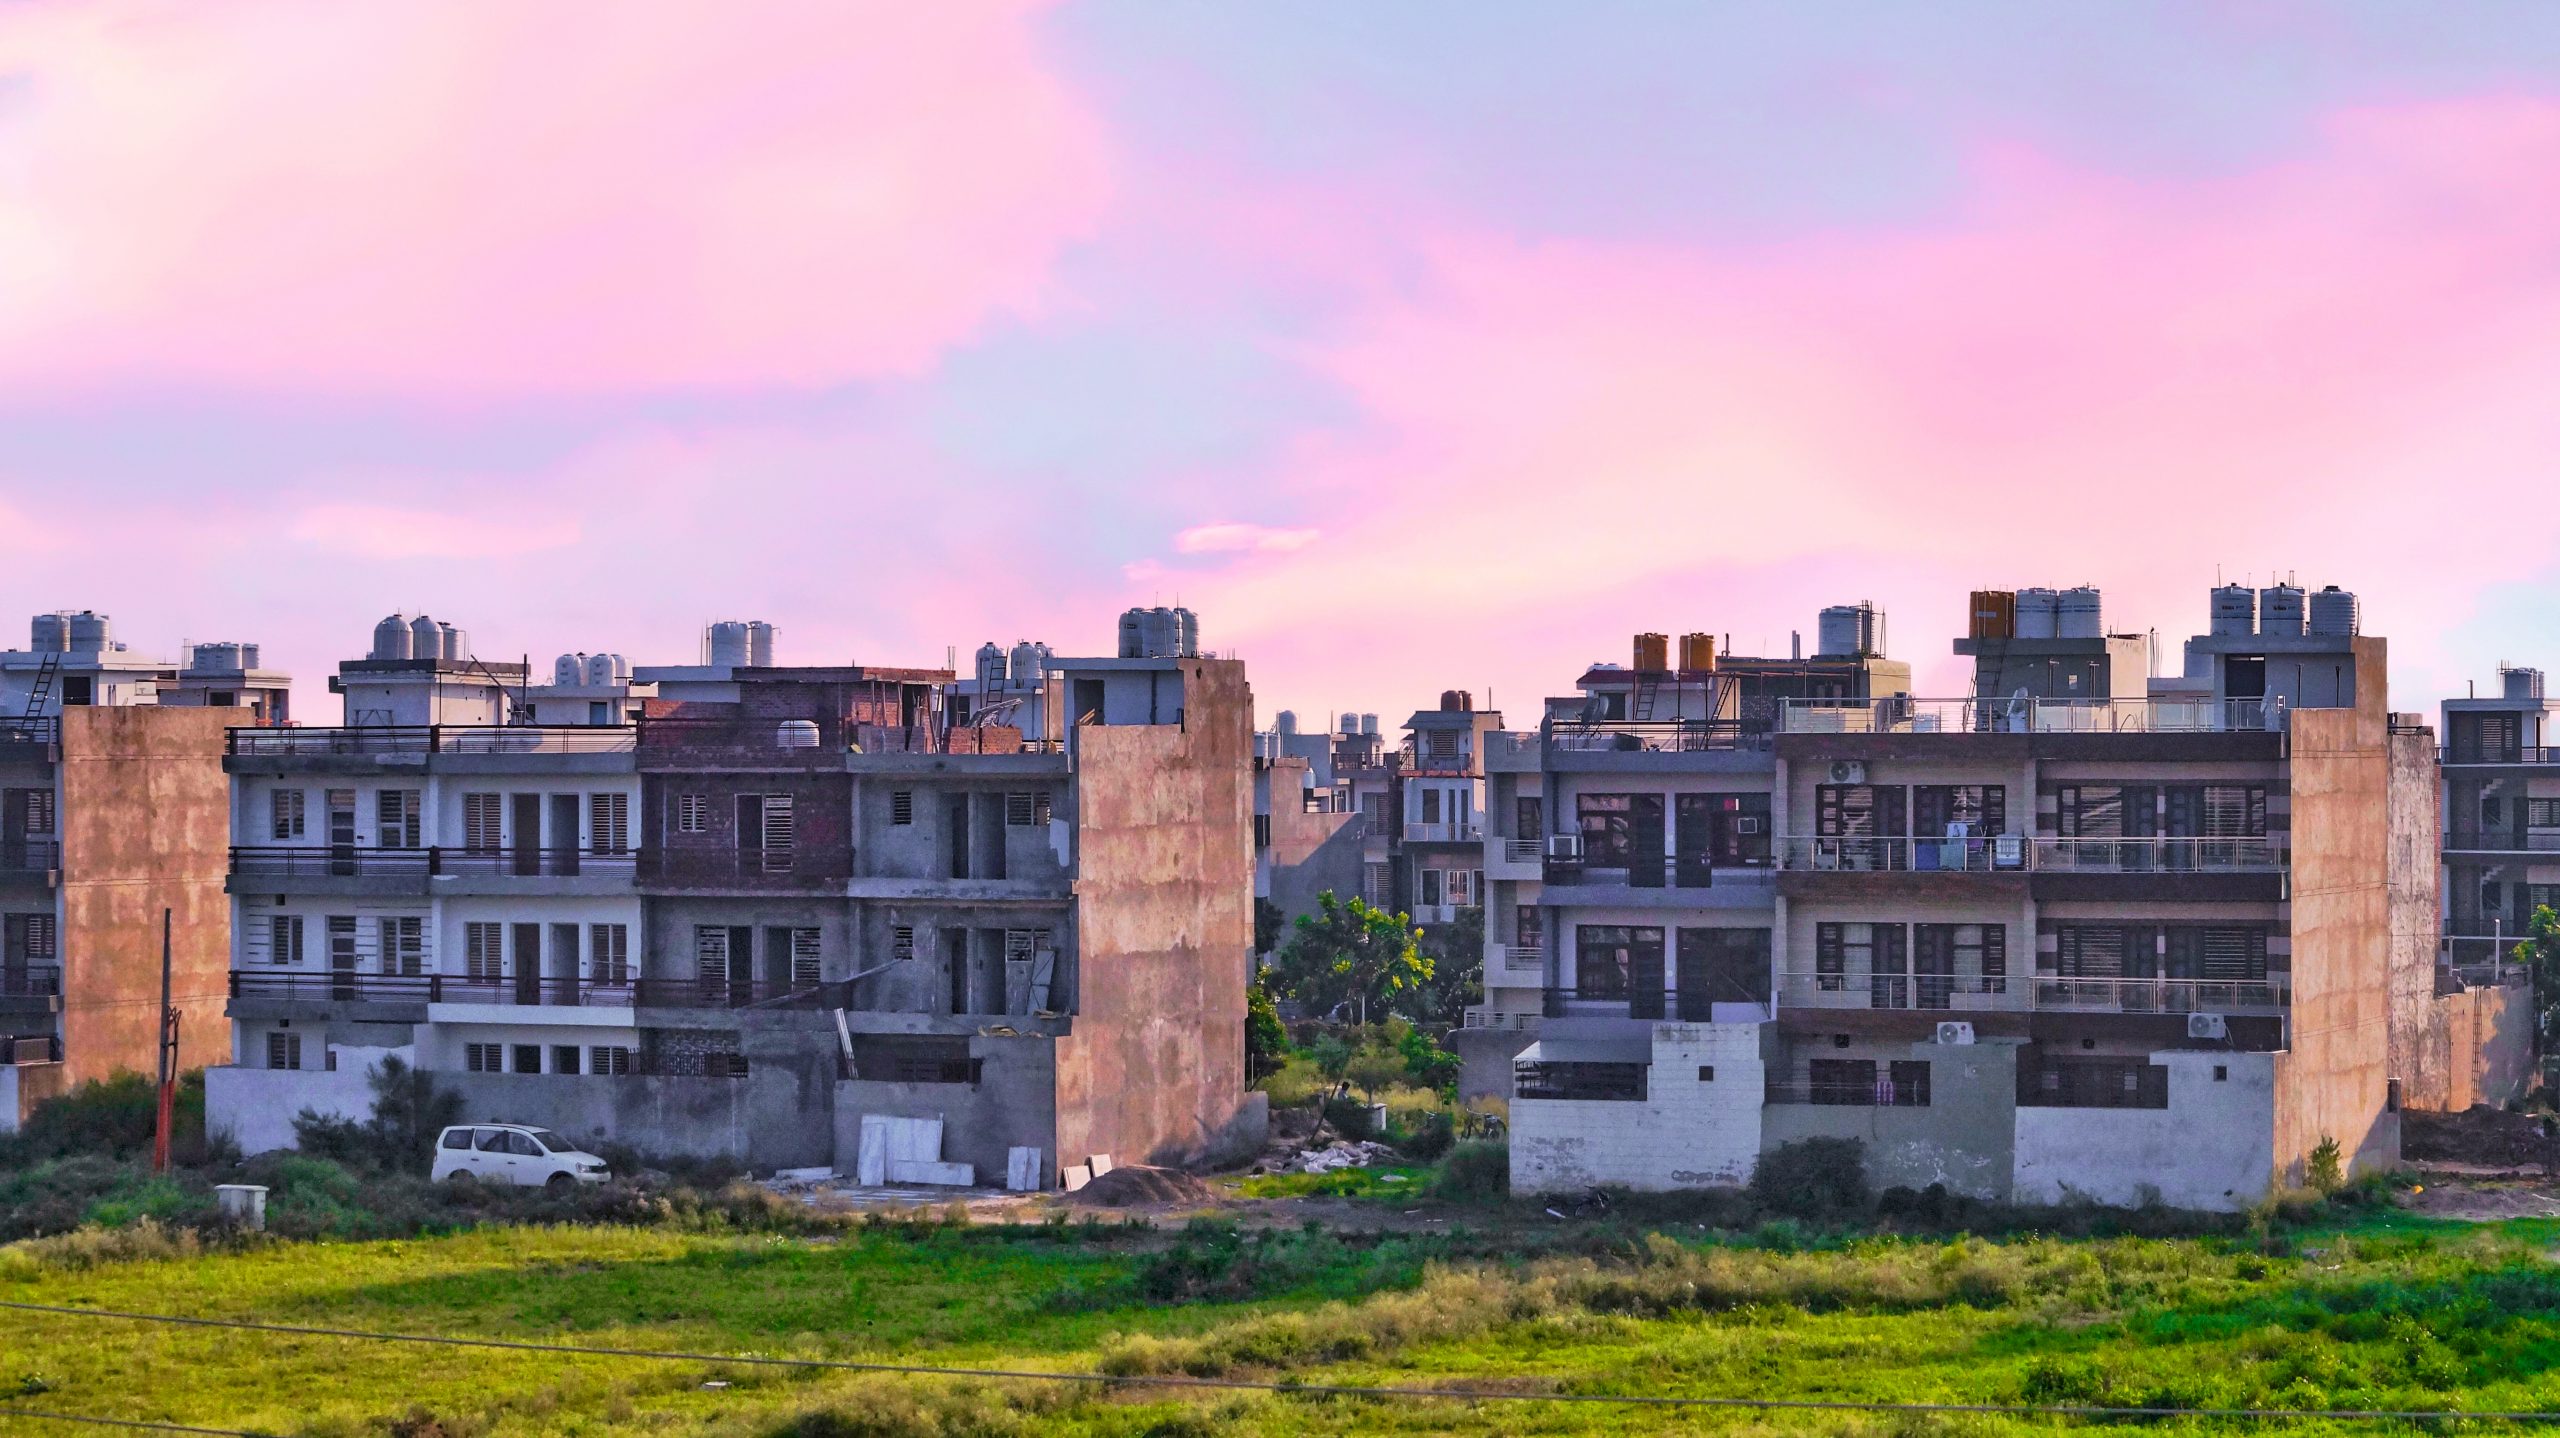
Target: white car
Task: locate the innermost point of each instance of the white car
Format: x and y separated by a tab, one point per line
515	1154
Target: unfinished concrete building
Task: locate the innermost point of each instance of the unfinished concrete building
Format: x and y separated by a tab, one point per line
822	926
2077	931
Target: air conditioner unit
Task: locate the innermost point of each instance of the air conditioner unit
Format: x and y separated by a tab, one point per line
1564	846
2208	1026
1848	771
1748	823
2009	851
1955	1033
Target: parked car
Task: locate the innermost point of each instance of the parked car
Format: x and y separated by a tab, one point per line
514	1154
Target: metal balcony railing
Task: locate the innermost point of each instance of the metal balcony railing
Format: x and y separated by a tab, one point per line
1657	871
539	863
714	992
2163	996
2181	855
1443	832
1521	851
1905	714
30	856
1652	736
710	866
1961	993
30	981
1994	853
2458	754
389	739
1862	853
346	861
1882	1093
309	985
1935	992
2504	840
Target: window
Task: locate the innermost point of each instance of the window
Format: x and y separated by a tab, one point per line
1529	927
483	954
483	1058
693	813
403	945
1950	959
2233	955
457	1138
2542	813
711	951
285	811
1841	949
902	942
1262	831
1430	892
1617	961
2095	951
32	937
1430	803
1040	809
901	1059
1981	808
482	816
284	1051
40	816
2235	811
1706	1073
1608	829
1018	811
342	942
610	945
1377	880
2093	1083
2103	811
564	1058
528	1061
395	819
608	1059
284	938
1441	743
1528	817
766	826
805	967
1581	1082
609	823
902	806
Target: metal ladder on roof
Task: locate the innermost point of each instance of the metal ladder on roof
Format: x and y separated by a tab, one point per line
1648	689
42	690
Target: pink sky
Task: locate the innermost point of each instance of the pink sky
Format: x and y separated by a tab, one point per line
1406	367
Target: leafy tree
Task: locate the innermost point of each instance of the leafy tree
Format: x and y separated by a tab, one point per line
408	1112
2540	954
1268	922
1429	1065
1349	954
1373	1070
1266	1042
1456	951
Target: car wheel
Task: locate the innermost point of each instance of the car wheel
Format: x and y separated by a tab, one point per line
461	1178
558	1184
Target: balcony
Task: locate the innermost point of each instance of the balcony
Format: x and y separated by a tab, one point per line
323	986
1444	832
2028	993
1880	1093
1808	853
1652	736
30	981
29	741
1515	966
17	1050
2503	841
611	864
1513	859
331	861
1904	714
379	740
1662	881
759	869
727	993
2459	756
25	858
1998	853
2252	855
332	868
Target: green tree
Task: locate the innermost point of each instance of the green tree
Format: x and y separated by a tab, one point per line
1266	1042
1350	954
2539	952
1268	922
1456	951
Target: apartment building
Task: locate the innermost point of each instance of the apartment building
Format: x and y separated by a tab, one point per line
2501	861
112	813
2027	942
1307	829
793	915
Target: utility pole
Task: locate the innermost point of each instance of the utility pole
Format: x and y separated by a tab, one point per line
168	1057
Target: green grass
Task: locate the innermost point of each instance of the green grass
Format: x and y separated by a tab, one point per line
2385	1311
1401	1182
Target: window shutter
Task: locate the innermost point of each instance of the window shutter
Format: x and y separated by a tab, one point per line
481	818
711	951
1017	810
902	942
805	968
902	806
609	823
1040	808
481	950
692	813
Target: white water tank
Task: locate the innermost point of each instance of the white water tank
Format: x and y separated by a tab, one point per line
391	638
2334	613
426	639
1186	634
2078	614
1846	631
2280	611
2520	683
725	645
90	632
248	656
600	669
2039	614
51	632
215	658
569	669
990	667
452	643
1030	663
2234	611
796	734
759	644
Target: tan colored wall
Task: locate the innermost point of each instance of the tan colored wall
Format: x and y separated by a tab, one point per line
145	816
1154	1070
2423	1046
2482	1040
2334	1085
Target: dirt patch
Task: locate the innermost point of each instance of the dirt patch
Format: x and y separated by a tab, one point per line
2482	1202
2484	1137
1136	1184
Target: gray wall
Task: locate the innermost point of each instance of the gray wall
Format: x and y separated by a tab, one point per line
1966	1138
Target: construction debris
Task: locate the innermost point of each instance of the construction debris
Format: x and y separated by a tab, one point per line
1339	1155
2481	1139
1137	1183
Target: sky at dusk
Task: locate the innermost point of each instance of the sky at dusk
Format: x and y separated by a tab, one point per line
1415	346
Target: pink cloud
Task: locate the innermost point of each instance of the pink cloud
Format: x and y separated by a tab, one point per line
394	532
475	197
2337	364
1233	538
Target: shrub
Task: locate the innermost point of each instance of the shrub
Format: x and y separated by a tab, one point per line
1816	1178
1429	1139
1294	1084
408	1112
1349	1117
2326	1171
1477	1171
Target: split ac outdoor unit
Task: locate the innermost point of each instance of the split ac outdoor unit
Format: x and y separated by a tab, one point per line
1564	846
2208	1026
1848	771
1955	1033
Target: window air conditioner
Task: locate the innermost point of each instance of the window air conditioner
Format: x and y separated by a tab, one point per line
1955	1033
1564	846
1848	771
2208	1026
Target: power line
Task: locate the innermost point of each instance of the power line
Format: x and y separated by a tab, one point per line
16	1412
1310	1390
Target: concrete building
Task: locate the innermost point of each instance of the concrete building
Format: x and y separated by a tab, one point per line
112	812
2075	932
794	915
1307	830
2500	804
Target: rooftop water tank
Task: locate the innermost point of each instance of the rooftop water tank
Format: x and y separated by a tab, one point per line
451	643
52	633
2234	611
759	644
1846	631
426	639
90	632
1368	723
1030	663
2039	614
600	670
2521	683
248	656
1186	639
1350	722
391	638
215	658
1286	726
990	664
796	734
2334	613
2078	615
1133	633
2280	611
725	645
569	669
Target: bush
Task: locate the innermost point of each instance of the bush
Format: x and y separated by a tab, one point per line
1348	1116
1429	1139
1294	1084
1477	1171
1815	1178
408	1112
2326	1170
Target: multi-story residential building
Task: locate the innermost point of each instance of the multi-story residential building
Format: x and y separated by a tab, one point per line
2032	941
1307	834
112	812
793	916
2501	849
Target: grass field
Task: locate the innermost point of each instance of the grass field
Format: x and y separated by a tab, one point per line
2394	1312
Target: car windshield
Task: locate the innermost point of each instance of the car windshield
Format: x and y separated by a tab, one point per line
551	1142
